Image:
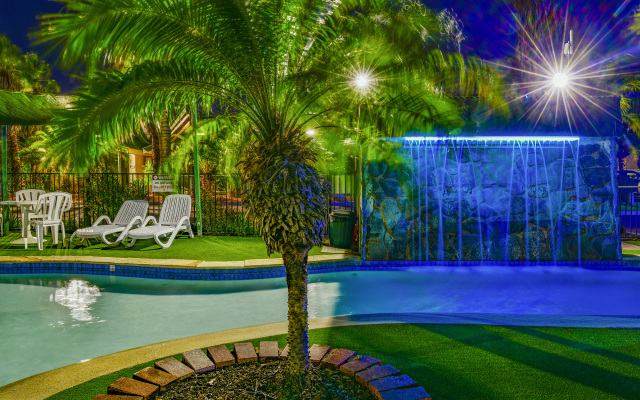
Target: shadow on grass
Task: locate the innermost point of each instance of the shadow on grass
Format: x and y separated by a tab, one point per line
475	361
582	346
599	378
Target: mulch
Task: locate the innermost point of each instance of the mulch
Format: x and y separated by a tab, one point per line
265	381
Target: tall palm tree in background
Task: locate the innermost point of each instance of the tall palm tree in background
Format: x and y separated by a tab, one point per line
276	68
22	73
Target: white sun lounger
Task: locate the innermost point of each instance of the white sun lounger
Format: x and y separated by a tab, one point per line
174	217
131	214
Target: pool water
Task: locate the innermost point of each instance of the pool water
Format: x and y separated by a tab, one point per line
50	321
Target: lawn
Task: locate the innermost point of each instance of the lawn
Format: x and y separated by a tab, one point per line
480	362
208	248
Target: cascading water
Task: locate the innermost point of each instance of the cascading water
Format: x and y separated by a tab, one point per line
494	198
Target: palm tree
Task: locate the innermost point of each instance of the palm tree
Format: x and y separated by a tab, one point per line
22	73
277	67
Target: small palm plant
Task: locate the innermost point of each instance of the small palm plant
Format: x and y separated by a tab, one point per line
274	68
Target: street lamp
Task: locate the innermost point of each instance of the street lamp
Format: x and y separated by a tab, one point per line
362	81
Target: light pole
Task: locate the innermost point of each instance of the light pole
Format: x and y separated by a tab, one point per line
5	178
362	83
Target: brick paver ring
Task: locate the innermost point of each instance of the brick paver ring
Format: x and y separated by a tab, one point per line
384	381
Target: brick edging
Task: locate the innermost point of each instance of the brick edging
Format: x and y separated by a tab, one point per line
384	381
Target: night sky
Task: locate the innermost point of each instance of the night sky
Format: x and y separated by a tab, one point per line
488	25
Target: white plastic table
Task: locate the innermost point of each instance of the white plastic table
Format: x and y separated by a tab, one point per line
26	208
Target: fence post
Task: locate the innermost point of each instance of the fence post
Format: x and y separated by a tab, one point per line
196	174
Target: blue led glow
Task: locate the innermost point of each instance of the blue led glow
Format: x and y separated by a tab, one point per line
492	138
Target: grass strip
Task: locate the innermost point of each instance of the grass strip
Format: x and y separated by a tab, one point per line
479	362
208	248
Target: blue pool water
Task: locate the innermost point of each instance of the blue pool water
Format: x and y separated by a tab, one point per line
64	319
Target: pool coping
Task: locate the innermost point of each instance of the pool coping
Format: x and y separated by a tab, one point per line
171	262
255	269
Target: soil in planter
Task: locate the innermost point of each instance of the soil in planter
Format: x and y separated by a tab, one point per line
265	381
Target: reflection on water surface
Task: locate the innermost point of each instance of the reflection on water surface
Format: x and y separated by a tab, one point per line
77	295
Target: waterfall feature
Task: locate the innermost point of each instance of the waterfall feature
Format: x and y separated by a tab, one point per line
494	199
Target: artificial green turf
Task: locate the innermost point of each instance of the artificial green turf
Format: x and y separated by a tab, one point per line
208	248
480	362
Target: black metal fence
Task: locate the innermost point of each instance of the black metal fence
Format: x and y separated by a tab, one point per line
98	194
629	206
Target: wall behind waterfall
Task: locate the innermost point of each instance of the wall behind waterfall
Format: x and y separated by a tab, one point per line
494	199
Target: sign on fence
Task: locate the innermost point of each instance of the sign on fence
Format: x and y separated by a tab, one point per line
161	183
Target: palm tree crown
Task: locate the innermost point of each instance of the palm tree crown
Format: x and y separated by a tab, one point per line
274	69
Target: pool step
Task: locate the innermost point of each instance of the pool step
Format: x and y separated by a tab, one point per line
384	381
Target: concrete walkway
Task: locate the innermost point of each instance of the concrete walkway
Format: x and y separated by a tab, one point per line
173	263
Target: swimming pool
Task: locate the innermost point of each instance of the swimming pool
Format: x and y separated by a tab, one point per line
64	319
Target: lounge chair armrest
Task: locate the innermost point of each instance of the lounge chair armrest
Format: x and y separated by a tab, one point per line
100	219
135	221
150	218
182	221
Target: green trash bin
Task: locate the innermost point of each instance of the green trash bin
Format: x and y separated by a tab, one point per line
343	223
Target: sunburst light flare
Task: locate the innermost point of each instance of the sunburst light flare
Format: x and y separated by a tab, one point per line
564	83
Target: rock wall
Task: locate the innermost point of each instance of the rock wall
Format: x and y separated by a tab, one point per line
505	200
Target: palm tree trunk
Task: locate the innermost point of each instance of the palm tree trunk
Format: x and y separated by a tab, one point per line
14	149
295	262
164	138
155	150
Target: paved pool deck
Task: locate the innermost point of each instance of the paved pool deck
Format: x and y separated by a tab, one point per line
174	263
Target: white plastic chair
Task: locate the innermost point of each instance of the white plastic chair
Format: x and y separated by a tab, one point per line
29	194
132	213
48	214
174	217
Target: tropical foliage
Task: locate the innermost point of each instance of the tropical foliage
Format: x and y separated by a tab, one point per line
22	73
268	71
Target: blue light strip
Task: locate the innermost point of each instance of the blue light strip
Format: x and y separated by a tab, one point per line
491	138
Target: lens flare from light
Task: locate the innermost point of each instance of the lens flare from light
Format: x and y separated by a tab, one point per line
362	81
566	87
560	80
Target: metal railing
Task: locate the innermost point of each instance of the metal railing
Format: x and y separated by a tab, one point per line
98	194
629	206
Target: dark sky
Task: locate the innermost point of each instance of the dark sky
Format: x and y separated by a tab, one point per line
488	25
